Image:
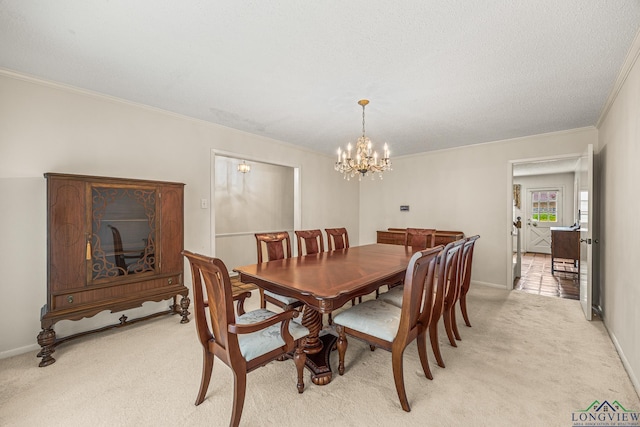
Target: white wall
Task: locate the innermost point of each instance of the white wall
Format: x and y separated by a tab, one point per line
619	163
50	128
466	189
258	201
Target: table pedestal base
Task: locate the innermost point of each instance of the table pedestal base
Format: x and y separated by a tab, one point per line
318	363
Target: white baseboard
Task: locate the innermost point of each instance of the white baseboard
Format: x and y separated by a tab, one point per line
19	350
625	361
492	285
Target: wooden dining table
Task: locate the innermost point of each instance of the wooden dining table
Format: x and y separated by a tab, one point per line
325	282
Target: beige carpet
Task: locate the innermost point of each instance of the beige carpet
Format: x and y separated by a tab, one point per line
528	360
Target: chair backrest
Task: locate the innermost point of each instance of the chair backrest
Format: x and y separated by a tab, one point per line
448	274
453	273
467	256
313	242
278	245
337	238
417	298
212	286
118	250
420	238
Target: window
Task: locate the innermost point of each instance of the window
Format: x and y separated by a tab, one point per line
544	206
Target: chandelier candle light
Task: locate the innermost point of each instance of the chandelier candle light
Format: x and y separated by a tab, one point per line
365	162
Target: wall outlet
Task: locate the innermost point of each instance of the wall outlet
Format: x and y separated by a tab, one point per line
204	204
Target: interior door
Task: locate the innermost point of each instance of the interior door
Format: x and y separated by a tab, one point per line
585	201
542	213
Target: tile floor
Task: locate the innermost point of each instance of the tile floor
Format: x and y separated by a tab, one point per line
536	277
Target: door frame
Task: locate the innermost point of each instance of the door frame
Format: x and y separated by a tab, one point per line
509	205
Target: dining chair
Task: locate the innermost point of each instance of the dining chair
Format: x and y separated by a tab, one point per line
309	242
417	239
466	277
447	272
337	238
243	341
449	275
420	238
277	246
393	328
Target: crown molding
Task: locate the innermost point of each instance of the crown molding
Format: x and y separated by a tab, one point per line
632	57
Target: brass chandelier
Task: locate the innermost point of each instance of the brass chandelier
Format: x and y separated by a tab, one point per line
365	162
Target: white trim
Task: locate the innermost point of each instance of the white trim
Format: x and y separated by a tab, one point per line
547	158
629	62
509	245
20	350
504	141
250	233
623	358
491	285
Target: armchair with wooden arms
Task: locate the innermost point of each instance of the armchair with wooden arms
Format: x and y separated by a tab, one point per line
245	341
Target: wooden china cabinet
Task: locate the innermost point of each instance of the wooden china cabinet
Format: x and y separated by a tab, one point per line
112	244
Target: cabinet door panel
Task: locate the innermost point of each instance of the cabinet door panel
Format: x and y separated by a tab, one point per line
67	235
172	229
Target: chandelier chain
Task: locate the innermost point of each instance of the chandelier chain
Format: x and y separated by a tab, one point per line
363	120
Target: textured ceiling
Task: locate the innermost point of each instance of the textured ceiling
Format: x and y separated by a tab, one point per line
439	73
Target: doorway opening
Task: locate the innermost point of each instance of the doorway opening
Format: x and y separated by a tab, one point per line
250	196
544	196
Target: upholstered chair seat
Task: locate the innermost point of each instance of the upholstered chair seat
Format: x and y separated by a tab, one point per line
262	342
283	299
374	317
393	296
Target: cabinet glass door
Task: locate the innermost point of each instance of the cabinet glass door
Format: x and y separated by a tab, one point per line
123	231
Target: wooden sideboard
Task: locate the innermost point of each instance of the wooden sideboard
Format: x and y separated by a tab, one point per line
395	236
565	244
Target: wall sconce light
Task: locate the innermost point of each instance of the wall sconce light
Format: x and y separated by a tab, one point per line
243	167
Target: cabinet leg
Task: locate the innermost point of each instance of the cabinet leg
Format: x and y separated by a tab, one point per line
184	312
46	340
